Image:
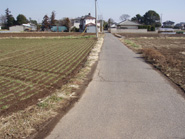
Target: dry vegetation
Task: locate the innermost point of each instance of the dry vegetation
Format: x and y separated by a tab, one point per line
165	52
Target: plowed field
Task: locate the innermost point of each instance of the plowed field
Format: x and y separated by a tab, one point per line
31	69
165	52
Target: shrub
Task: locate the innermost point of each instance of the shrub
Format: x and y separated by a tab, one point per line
179	32
142	27
74	29
149	28
153	56
153	28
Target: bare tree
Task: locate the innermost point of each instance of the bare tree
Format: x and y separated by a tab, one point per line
110	22
3	20
124	17
66	22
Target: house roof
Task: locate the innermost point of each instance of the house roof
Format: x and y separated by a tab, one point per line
128	23
88	17
168	22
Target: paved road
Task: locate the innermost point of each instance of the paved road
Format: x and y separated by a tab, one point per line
126	99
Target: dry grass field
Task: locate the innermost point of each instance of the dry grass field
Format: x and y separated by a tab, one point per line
165	52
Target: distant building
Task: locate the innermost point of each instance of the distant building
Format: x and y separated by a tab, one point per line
168	24
114	25
127	24
76	22
29	27
23	27
87	23
17	28
180	25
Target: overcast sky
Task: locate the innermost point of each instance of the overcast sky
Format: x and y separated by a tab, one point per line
173	10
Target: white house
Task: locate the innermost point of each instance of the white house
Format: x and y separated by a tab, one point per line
0	27
76	22
127	24
30	27
17	28
88	23
23	27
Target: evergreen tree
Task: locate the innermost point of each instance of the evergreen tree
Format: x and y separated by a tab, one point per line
21	19
45	23
52	19
10	21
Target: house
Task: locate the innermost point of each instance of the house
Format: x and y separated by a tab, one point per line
114	25
76	22
87	23
180	25
90	28
0	27
168	24
29	27
17	28
127	24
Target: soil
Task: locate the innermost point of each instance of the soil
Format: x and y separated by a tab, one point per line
165	52
42	34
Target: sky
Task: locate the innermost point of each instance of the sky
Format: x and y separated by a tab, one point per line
36	9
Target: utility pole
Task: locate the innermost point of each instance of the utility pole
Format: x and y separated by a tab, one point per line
100	17
96	19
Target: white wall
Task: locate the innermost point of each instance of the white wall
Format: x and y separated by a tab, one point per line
88	21
0	27
77	25
91	29
115	30
16	28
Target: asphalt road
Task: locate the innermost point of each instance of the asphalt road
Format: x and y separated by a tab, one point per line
126	99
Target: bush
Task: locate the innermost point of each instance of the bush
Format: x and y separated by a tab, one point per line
142	27
153	28
74	29
179	32
149	28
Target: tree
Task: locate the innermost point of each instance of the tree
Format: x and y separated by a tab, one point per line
138	18
45	23
3	20
10	21
21	19
67	23
152	18
33	21
110	22
105	25
124	17
52	19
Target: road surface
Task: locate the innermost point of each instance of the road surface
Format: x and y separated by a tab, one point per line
126	99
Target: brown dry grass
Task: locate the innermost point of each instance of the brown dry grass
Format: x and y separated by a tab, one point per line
166	53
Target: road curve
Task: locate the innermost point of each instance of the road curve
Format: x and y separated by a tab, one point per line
126	99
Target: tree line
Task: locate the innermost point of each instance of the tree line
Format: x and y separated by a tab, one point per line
150	18
8	20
